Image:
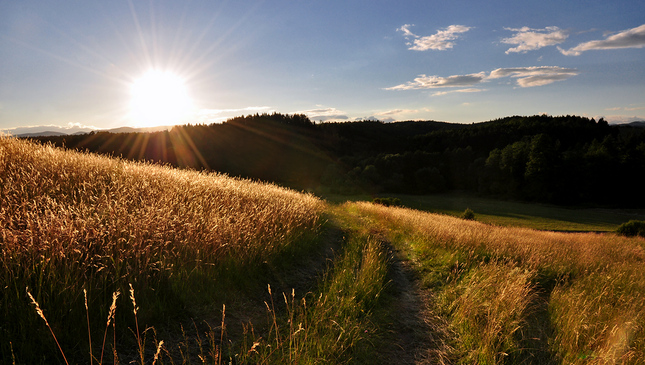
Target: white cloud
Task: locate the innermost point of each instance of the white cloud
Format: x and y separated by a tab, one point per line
405	28
631	38
621	119
324	114
70	128
528	39
432	82
396	112
535	75
391	115
440	41
626	108
470	90
526	77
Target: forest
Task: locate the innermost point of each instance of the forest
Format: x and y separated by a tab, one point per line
568	160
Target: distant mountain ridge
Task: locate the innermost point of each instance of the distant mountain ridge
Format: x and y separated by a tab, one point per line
640	124
51	131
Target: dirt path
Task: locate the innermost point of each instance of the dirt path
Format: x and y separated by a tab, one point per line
414	334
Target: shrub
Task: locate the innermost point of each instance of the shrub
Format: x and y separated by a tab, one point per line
468	214
632	228
388	202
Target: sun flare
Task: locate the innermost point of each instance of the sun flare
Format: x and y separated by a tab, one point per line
159	98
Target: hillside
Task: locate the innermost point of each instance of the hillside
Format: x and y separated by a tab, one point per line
73	223
198	267
563	160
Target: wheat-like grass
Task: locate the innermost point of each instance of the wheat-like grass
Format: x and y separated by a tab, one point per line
41	314
72	220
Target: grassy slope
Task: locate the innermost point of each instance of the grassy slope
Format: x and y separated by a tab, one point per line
197	252
402	285
513	295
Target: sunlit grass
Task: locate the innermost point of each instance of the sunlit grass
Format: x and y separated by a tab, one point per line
71	221
515	295
78	229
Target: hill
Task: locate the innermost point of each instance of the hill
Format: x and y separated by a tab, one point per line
564	160
75	225
198	267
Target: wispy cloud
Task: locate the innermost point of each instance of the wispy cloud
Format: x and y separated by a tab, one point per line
630	38
535	75
324	114
621	119
391	115
68	129
432	82
439	41
525	76
394	112
528	39
470	90
626	108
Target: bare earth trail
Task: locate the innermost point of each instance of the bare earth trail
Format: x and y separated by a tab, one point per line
415	335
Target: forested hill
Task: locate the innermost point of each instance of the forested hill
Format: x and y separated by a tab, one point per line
564	160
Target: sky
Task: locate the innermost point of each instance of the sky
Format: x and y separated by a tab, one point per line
108	64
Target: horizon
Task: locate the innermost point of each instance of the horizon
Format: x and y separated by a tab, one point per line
105	66
43	130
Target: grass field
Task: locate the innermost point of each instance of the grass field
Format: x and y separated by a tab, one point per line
513	213
515	295
103	259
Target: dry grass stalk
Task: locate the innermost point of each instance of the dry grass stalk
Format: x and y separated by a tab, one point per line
110	318
89	332
41	314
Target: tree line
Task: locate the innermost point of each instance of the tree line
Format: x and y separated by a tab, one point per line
562	160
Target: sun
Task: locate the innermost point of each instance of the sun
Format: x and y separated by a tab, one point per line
159	98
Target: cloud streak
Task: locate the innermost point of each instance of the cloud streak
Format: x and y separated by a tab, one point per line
630	38
528	39
525	77
433	82
439	41
535	75
324	114
469	90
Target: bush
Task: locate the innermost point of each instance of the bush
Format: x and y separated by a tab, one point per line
632	228
468	214
388	202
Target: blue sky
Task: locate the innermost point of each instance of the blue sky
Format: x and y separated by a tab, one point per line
74	62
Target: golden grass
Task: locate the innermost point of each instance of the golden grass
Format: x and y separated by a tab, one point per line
333	324
70	221
563	251
77	229
59	205
491	283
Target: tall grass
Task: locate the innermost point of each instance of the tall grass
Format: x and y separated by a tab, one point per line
513	295
71	221
333	324
78	229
